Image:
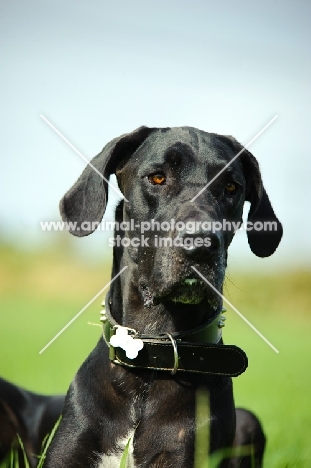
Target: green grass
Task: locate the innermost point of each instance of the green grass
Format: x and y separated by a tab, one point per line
41	291
12	460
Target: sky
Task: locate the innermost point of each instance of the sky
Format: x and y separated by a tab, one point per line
99	69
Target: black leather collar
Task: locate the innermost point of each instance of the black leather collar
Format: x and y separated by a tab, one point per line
197	350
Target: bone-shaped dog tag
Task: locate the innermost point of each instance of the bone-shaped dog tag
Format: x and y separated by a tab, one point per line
123	340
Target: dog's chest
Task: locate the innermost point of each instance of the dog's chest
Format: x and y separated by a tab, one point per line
113	460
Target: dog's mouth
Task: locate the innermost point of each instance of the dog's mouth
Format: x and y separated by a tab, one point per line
188	291
182	285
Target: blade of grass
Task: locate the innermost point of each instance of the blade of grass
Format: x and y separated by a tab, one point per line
13	458
23	451
48	443
202	436
123	462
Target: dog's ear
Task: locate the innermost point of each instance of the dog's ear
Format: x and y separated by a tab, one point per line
263	242
84	204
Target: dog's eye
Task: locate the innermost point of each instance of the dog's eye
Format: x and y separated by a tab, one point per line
231	188
157	179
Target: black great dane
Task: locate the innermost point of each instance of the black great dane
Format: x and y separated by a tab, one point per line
162	324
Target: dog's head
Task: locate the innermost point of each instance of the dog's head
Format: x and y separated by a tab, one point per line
193	186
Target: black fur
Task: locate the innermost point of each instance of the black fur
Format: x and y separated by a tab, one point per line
106	402
29	415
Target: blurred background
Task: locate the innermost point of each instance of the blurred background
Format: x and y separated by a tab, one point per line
99	69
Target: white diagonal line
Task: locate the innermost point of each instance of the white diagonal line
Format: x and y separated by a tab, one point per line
236	310
82	156
235	157
82	310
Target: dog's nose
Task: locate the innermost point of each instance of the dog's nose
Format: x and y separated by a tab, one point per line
200	244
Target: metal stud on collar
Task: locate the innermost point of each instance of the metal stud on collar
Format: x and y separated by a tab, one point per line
103	316
222	320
